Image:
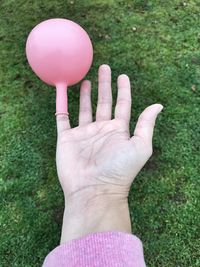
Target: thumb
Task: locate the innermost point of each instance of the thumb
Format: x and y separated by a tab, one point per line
146	122
62	121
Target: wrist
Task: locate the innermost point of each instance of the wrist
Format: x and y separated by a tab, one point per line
90	213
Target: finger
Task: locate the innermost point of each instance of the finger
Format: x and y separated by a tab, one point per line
104	105
85	110
63	123
146	122
123	105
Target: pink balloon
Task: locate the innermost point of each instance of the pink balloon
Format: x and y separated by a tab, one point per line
60	52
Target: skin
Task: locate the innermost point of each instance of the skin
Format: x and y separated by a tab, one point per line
97	161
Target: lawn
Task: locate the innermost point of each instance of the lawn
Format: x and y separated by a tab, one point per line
157	43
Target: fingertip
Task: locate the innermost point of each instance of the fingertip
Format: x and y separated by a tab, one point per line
104	67
104	73
155	108
159	108
86	82
123	80
85	87
123	76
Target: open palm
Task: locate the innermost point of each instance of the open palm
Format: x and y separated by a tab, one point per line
101	156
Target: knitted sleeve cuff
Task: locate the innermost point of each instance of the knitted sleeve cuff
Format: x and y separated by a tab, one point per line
110	249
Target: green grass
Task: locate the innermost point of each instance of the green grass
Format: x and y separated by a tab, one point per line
162	59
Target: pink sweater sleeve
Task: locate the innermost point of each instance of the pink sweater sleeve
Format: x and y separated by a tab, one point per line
105	249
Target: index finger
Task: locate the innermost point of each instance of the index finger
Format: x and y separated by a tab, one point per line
123	105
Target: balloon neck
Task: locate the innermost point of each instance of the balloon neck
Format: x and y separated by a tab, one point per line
61	98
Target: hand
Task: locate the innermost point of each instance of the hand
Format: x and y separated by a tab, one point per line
102	153
100	158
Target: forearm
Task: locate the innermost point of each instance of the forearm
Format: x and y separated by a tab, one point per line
85	215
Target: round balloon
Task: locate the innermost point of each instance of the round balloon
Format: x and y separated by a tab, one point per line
59	51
